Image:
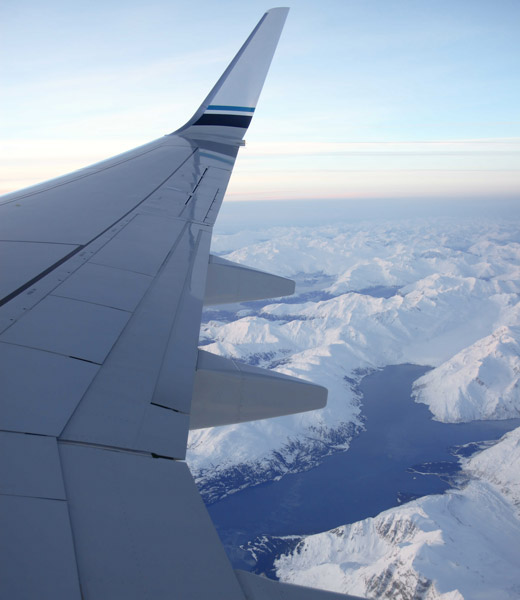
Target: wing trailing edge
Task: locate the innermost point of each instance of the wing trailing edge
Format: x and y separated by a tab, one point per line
257	587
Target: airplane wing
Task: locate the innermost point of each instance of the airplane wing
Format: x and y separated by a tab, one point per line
104	275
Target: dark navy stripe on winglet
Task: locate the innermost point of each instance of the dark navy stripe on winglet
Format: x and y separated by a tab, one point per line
224	120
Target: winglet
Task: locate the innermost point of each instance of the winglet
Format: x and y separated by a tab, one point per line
229	107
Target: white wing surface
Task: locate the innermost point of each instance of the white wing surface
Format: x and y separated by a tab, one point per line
104	275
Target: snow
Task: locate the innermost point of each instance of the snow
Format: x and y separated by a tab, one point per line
480	382
499	465
460	545
457	309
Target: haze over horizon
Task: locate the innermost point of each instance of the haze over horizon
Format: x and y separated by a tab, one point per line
258	214
364	100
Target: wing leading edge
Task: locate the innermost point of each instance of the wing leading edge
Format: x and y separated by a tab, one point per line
107	270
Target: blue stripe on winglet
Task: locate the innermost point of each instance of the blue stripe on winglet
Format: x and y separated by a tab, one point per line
240	108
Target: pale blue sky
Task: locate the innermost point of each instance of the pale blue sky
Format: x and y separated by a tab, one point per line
383	98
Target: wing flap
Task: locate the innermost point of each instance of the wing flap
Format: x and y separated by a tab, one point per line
153	537
37	557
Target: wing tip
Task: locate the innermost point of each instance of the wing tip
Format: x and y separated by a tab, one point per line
284	9
228	109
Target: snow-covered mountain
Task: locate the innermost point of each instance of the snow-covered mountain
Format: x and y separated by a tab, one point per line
480	382
460	545
368	295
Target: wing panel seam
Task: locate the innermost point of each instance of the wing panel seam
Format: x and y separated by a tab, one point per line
211	205
37	278
143	299
72	535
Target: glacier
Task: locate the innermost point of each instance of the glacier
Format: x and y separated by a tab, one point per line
452	288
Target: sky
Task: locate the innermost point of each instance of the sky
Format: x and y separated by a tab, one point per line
406	99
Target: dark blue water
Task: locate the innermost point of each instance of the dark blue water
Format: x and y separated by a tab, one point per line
402	455
381	291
